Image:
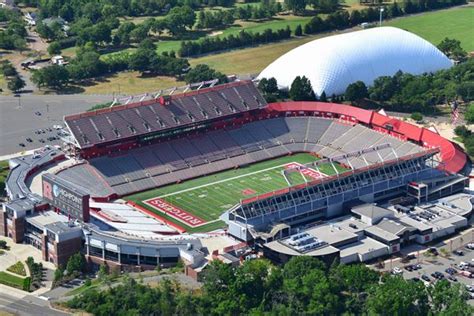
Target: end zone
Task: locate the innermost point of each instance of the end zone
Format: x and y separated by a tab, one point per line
175	212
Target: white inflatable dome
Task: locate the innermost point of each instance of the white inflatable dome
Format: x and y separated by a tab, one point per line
334	62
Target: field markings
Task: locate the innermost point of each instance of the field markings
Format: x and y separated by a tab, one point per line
221	181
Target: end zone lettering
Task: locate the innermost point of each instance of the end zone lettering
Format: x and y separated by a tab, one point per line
175	212
305	170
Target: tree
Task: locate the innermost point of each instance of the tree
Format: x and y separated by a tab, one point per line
466	91
15	84
87	64
297	6
450	299
8	70
52	76
396	296
180	18
452	48
416	116
269	86
298	30
324	98
203	73
102	274
75	264
469	115
54	48
301	90
356	91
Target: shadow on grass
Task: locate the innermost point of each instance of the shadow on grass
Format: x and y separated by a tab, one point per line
71	89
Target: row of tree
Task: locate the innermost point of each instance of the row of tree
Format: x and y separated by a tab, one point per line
14	82
266	10
95	10
343	19
304	286
89	64
410	93
323	6
215	19
36	270
213	44
13	36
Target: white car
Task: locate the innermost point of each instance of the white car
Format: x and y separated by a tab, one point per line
57	127
470	246
397	271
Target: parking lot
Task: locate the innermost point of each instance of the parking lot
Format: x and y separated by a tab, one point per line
431	264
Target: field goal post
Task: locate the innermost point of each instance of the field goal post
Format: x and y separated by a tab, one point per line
299	168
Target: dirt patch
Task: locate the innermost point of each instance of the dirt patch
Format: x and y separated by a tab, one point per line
215	33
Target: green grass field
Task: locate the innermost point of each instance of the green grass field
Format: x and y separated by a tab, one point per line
14	281
208	197
457	23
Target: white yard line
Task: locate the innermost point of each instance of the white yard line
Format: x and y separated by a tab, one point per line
225	180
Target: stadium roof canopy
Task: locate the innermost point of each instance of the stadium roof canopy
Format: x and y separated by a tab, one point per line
334	62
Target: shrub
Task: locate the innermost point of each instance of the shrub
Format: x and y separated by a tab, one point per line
416	116
17	268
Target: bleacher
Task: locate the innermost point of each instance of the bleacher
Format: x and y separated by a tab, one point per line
122	122
187	157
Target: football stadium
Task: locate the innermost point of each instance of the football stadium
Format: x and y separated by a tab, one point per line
185	172
147	181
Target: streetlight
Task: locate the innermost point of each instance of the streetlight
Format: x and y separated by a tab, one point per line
381	11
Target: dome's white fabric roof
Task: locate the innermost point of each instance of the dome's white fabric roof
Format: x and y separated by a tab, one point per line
334	62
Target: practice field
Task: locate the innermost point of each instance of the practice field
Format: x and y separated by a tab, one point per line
457	23
197	204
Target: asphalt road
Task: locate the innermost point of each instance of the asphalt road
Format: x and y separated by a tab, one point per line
27	306
19	121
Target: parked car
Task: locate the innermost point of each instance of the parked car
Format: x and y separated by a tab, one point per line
21	145
452	278
397	271
458	252
409	268
467	274
417	266
415	279
433	251
425	278
437	275
450	271
464	265
470	246
470	288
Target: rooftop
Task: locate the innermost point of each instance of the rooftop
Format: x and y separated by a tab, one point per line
372	211
383	234
331	233
60	227
393	226
42	219
278	246
362	246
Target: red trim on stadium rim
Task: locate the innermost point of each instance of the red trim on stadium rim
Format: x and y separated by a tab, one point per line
451	154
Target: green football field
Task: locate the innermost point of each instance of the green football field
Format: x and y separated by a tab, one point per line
208	197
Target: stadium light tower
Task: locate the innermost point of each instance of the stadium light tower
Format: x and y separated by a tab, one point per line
381	12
